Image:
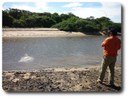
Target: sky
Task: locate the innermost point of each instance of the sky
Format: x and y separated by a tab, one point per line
111	10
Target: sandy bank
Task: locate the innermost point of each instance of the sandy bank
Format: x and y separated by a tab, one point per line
58	79
39	32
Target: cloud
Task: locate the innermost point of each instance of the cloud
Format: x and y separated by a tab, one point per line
87	12
110	10
111	5
41	6
24	7
72	5
33	6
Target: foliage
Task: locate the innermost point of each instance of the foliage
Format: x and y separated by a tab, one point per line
7	19
67	22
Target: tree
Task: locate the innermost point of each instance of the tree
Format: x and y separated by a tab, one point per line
117	27
64	17
104	23
7	19
56	17
15	13
66	22
19	23
30	21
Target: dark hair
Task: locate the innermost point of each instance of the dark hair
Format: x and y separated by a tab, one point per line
113	32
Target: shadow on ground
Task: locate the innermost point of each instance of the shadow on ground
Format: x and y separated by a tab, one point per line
118	88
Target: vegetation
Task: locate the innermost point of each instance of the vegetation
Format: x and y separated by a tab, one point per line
67	22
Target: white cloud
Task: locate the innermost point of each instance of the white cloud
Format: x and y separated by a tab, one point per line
87	12
74	4
24	7
110	10
110	5
113	10
37	7
42	6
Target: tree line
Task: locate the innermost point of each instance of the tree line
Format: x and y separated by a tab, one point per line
67	22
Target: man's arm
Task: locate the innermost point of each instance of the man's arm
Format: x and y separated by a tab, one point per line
104	43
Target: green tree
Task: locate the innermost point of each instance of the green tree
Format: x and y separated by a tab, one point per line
117	27
66	22
7	19
56	17
19	23
104	23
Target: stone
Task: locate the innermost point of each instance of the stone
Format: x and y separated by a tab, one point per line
15	80
27	76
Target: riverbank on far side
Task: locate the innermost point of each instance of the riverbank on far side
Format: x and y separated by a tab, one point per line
39	32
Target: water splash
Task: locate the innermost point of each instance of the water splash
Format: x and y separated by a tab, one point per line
26	58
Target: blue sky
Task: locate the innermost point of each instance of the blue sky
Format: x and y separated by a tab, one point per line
81	9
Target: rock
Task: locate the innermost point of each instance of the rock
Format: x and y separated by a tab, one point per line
9	76
89	87
27	76
15	80
33	77
77	87
55	80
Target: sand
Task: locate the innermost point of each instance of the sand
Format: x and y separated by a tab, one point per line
38	32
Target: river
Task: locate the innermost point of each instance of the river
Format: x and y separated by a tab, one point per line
41	52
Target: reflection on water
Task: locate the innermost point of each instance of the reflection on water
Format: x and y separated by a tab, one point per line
26	58
36	53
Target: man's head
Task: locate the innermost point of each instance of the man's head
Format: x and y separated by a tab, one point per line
113	32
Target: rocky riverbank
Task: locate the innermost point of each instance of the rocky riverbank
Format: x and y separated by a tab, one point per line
58	80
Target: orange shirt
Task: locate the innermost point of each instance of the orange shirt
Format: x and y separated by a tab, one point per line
111	45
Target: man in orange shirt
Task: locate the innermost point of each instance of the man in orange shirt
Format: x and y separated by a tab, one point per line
111	46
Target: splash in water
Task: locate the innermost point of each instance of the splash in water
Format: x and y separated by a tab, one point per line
26	58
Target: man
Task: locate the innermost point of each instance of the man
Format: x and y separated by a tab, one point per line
111	46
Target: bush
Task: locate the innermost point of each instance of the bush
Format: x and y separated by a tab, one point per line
66	22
